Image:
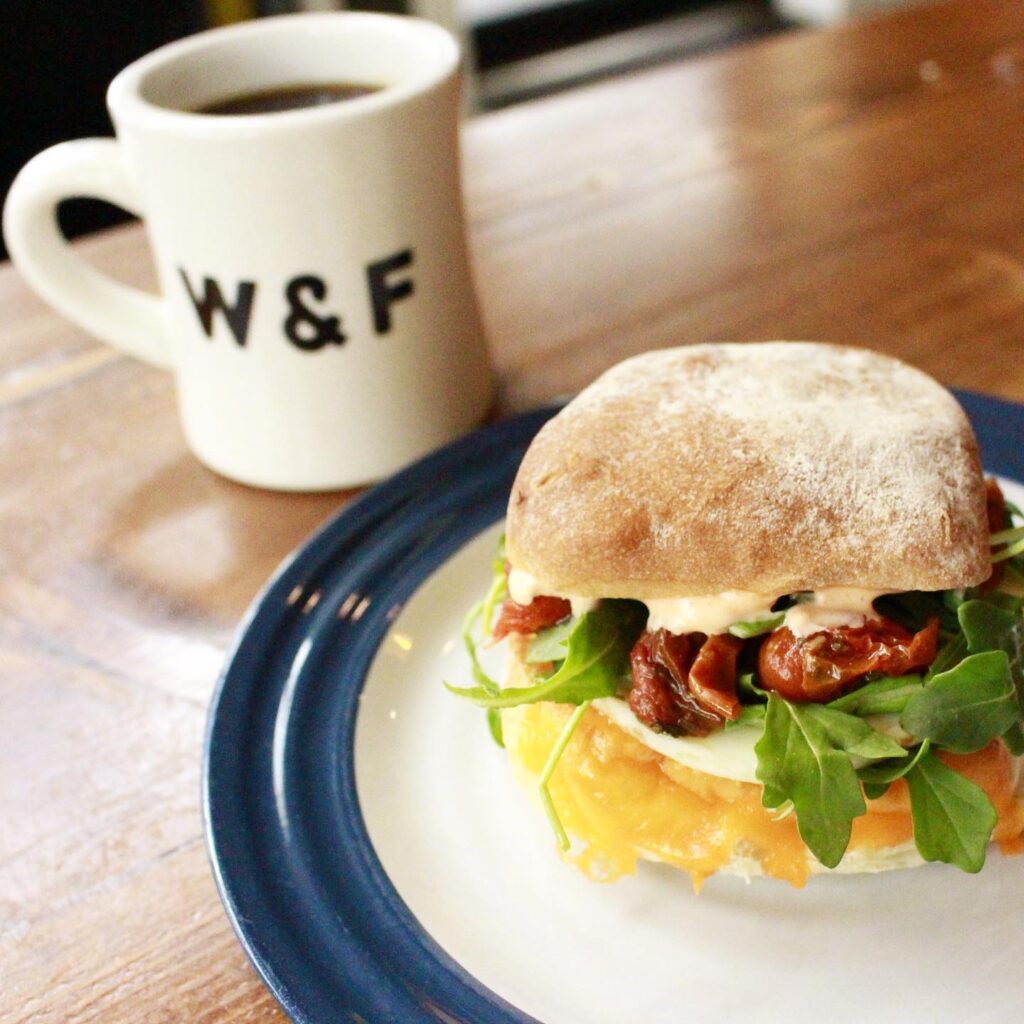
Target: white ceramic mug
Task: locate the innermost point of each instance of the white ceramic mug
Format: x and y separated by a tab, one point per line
316	302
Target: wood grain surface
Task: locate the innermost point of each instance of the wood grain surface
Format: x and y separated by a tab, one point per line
862	185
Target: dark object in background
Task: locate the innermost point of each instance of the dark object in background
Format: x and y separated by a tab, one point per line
555	45
560	23
56	61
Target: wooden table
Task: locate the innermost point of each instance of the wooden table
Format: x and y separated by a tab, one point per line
864	185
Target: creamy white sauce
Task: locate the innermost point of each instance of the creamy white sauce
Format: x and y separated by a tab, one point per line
582	605
828	608
714	613
522	587
728	753
832	608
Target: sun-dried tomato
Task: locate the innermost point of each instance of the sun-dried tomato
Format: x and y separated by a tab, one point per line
995	510
684	684
540	613
823	665
712	678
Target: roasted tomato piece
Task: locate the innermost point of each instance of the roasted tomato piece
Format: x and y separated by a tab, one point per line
540	613
823	665
712	678
995	508
684	685
652	697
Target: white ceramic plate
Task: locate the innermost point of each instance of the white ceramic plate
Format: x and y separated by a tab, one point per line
472	856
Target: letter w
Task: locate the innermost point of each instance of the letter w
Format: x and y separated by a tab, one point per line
237	316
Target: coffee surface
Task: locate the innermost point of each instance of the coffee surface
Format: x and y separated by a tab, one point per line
290	97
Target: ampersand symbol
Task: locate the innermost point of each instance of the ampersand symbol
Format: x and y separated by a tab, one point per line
318	330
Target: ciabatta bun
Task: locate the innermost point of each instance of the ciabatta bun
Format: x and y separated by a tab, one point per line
771	467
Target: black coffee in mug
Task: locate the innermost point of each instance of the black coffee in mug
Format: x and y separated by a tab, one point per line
290	97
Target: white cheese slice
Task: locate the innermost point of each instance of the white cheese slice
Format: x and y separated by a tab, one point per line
729	753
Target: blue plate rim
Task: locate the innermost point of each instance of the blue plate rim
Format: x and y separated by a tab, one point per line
457	993
511	435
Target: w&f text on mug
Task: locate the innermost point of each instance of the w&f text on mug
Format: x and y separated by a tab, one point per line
309	325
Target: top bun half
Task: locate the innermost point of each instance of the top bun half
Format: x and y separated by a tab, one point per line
774	467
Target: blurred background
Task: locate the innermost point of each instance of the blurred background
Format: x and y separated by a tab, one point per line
58	58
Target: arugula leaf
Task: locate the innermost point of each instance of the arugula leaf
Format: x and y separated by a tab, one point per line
852	734
796	761
953	818
887	695
1014	739
482	614
750	714
486	683
950	654
877	778
913	609
1014	540
746	687
967	707
755	627
549	769
1007	536
997	624
550	644
494	726
596	661
470	642
1013	577
804	756
498	590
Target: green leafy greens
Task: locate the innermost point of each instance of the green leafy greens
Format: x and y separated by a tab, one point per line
878	777
967	707
998	625
887	695
823	761
1014	541
756	627
590	657
596	661
549	769
480	617
804	756
953	818
971	695
551	644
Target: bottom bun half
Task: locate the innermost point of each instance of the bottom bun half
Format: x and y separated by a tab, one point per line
622	801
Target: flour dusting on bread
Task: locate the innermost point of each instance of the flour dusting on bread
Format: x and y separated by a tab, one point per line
777	466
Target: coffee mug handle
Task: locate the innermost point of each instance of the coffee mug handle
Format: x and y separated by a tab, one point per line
125	317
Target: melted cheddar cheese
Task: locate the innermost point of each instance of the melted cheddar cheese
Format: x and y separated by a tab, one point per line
624	801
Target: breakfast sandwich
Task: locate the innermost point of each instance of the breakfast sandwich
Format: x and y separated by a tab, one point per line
763	616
